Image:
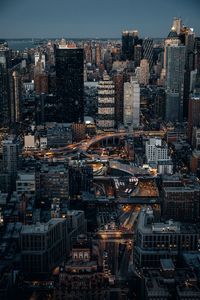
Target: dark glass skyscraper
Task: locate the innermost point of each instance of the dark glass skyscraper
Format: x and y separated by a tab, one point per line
175	66
4	87
70	84
188	38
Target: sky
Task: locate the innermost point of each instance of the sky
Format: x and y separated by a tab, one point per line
94	18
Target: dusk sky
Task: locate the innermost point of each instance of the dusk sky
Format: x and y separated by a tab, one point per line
92	18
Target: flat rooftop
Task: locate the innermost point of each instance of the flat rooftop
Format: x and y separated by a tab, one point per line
39	228
146	225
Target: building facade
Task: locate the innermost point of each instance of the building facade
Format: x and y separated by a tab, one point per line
131	103
43	246
129	40
70	83
106	104
175	65
157	240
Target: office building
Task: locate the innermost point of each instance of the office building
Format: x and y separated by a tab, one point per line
106	104
197	56
43	246
159	103
131	103
118	80
11	159
147	46
59	135
175	66
158	240
90	98
70	83
137	55
80	180
182	203
87	53
4	86
193	114
144	72
41	82
172	39
156	150
16	106
52	182
187	37
171	282
98	57
40	60
129	40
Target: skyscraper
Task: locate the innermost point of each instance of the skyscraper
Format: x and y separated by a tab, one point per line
131	103
4	87
11	159
70	83
97	54
137	55
118	80
172	39
106	103
197	54
144	72
187	37
147	46
87	53
16	103
197	62
129	40
193	113
175	65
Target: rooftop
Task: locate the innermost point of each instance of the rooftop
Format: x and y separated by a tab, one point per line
40	227
147	226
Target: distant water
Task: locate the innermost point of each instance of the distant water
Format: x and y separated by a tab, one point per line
20	44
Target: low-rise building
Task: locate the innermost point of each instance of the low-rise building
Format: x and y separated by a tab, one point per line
170	282
59	135
52	182
81	277
181	197
156	150
155	241
43	246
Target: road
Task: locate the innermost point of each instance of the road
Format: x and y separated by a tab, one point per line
84	145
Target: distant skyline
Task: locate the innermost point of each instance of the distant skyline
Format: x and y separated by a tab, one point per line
94	19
